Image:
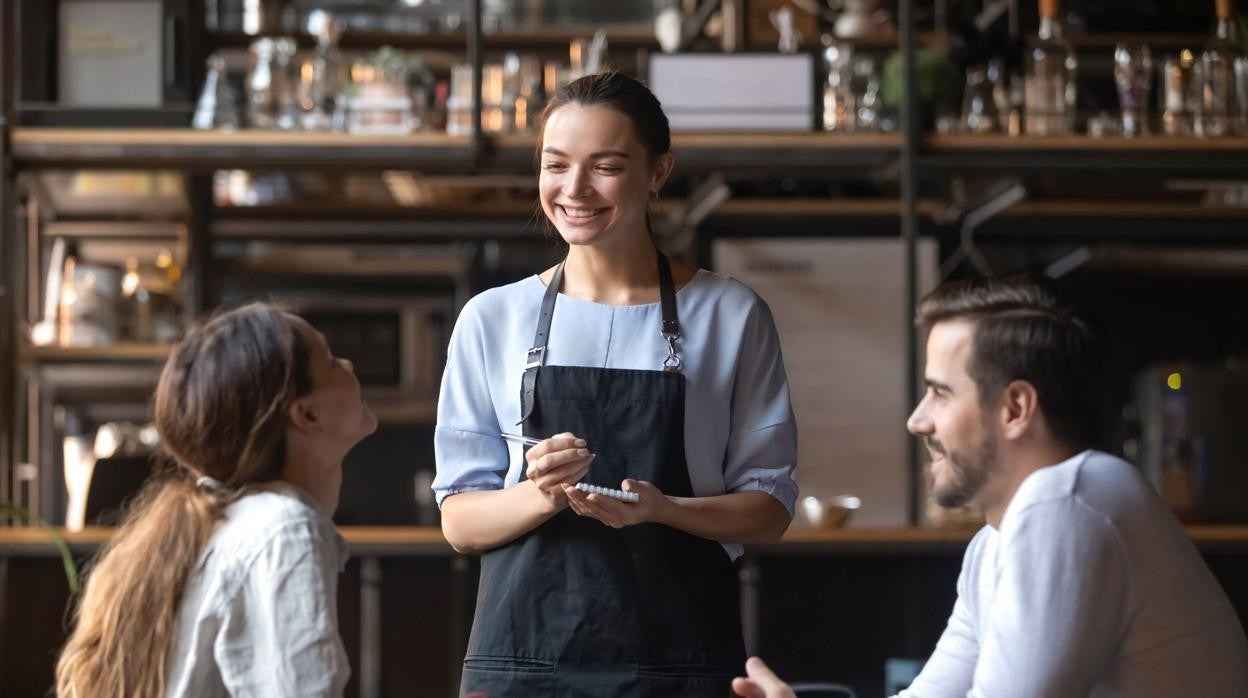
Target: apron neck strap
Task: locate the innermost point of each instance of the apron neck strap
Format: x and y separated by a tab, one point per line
537	354
671	324
667	296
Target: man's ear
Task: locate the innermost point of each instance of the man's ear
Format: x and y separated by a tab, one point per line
303	417
1019	407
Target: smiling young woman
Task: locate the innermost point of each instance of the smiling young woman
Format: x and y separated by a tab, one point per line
635	373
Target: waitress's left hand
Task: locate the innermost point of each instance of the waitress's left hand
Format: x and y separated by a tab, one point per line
613	512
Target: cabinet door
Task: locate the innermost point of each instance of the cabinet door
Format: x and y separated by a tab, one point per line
840	310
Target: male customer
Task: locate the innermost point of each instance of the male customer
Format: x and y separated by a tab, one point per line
1082	583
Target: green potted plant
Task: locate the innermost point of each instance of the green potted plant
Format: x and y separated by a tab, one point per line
62	545
934	79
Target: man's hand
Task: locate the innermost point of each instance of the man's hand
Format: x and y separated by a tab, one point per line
762	682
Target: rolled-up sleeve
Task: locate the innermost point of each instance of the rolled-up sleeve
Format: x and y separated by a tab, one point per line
762	446
468	451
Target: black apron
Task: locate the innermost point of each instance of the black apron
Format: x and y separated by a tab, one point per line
576	608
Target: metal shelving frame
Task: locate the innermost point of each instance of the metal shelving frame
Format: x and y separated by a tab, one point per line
915	158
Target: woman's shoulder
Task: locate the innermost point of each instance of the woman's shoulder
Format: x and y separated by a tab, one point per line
726	291
271	511
502	299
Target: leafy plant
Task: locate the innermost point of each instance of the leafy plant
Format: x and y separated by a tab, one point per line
933	78
62	545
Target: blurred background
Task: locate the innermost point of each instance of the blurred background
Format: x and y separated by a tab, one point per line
371	164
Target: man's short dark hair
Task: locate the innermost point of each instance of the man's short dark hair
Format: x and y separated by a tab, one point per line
1024	331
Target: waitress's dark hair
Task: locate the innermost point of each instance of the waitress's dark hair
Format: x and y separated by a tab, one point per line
622	93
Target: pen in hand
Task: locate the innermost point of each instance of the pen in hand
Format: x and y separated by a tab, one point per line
526	440
605	491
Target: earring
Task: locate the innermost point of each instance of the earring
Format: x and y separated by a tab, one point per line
655	194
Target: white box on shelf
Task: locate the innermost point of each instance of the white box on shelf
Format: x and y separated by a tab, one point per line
735	91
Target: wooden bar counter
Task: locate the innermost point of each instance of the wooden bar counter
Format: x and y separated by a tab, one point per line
820	605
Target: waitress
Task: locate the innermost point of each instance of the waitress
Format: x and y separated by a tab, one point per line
636	373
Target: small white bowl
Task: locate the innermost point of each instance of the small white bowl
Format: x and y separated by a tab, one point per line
829	512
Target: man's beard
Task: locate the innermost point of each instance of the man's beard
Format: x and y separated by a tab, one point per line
966	473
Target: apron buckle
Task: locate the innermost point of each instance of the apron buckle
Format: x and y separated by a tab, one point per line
535	362
672	362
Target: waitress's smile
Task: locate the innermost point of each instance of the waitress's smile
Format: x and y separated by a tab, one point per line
580	215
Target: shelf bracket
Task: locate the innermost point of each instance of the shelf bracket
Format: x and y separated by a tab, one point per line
1068	262
678	228
693	23
1000	196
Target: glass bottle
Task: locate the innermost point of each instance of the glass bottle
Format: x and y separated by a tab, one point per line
217	107
322	77
271	99
1220	112
1049	100
1178	95
979	105
838	103
1133	74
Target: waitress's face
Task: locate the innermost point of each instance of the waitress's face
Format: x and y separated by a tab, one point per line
596	177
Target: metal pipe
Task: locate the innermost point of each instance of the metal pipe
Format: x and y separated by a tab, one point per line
474	57
909	232
750	604
8	261
370	628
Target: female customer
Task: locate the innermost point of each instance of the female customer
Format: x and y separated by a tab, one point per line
634	373
223	579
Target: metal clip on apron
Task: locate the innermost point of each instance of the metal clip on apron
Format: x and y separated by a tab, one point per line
576	608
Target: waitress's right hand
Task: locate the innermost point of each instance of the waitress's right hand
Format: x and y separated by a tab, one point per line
563	458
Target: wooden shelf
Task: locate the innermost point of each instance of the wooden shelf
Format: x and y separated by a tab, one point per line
350	268
153	231
390	410
1076	208
112	352
428	540
639	37
1173	41
560	38
522	209
188	148
953	142
350	39
1171	155
745	150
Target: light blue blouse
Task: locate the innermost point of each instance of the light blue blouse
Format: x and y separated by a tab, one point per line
740	433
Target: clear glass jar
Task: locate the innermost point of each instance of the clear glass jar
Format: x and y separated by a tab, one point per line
271	99
979	103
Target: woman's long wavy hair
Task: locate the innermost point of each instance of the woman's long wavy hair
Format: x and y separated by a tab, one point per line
221	410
